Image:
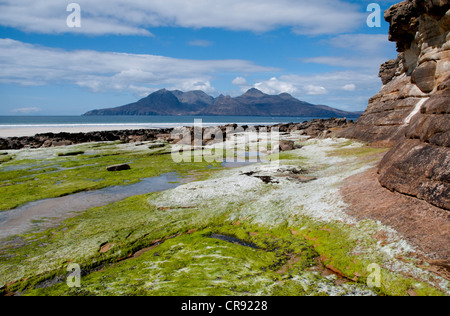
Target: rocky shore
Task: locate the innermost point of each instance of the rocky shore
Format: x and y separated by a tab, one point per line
314	128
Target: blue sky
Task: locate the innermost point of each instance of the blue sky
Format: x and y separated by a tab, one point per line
319	51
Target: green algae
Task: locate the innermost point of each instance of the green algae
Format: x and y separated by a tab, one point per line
67	175
5	158
262	271
180	258
347	150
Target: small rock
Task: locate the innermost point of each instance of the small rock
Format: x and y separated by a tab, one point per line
156	145
118	167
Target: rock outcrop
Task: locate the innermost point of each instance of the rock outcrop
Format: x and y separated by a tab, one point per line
412	110
65	139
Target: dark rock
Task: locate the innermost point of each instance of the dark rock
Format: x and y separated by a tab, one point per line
72	153
120	167
156	145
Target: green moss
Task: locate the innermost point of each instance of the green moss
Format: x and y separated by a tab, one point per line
196	264
5	158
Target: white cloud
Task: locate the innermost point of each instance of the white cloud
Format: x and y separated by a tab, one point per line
327	88
190	85
28	64
26	110
276	86
240	81
135	17
349	87
315	90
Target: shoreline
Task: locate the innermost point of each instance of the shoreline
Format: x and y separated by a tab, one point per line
29	128
62	136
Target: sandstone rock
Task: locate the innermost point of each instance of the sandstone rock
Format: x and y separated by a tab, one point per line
412	110
120	167
388	70
424	76
418	169
286	145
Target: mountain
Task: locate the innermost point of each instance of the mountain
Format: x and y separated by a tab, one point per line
252	103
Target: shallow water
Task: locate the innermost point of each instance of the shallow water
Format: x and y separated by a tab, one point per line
233	240
44	213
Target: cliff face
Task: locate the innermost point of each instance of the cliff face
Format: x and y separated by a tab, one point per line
412	110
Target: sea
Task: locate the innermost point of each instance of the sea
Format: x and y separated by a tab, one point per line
31	125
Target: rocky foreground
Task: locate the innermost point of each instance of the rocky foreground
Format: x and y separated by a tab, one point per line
287	225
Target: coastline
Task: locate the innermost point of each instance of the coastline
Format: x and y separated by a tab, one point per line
28	131
26	126
71	135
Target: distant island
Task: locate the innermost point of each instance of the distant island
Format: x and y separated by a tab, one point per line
252	103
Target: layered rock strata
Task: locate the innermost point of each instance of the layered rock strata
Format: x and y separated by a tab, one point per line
412	110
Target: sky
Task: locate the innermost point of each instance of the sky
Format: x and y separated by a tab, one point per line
60	59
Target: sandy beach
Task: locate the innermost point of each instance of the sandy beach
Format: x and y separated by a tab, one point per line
20	131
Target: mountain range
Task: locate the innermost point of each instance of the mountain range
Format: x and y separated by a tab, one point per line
252	103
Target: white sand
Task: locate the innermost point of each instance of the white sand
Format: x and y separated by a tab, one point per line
14	131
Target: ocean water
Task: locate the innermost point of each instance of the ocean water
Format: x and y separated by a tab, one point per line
142	121
18	126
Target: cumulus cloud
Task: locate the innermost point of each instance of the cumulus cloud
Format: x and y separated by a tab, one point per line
28	64
349	87
326	88
239	81
276	86
127	17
